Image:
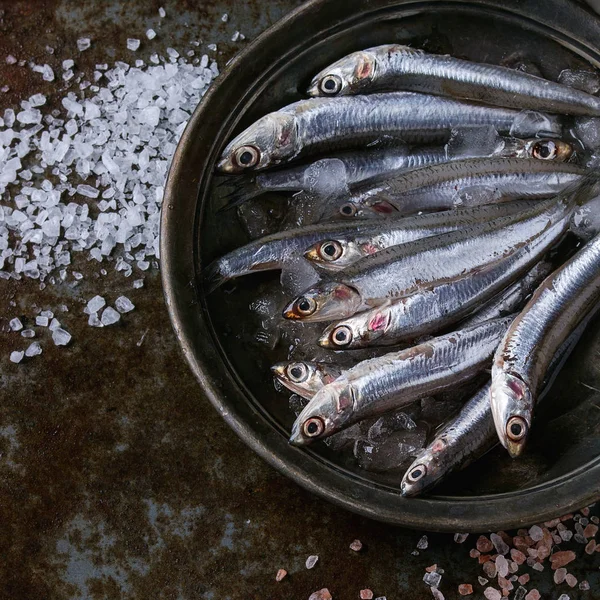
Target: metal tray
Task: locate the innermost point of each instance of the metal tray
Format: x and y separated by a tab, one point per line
561	469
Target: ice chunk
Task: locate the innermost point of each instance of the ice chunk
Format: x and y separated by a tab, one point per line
529	123
133	44
474	141
326	177
16	356
83	44
95	304
150	34
124	304
15	324
297	275
34	349
587	81
109	316
587	131
345	438
388	424
61	337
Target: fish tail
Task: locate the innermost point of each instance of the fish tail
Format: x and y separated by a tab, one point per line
241	188
214	276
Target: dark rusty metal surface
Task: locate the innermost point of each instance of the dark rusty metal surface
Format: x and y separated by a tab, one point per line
117	479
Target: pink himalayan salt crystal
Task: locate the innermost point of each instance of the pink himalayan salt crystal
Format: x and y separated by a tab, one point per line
356	545
280	574
366	594
533	595
320	595
492	593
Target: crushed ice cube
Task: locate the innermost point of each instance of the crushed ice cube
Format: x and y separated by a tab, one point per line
586	81
109	316
124	304
587	131
15	324
529	123
16	356
387	424
61	337
297	275
34	349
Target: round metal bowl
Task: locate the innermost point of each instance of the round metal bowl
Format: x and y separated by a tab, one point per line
561	470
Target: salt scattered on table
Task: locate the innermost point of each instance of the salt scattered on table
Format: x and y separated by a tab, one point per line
83	44
28	333
356	545
138	283
61	337
162	13
95	304
322	594
124	304
150	34
15	324
422	543
16	356
109	316
133	44
432	579
366	594
34	349
41	321
280	574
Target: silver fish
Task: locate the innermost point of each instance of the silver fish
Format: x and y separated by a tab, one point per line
395	380
438	307
322	124
522	358
360	238
401	271
397	67
471	433
466	183
305	378
339	252
512	298
378	162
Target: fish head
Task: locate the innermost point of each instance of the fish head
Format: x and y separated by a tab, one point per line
324	302
425	470
334	255
549	149
346	76
269	141
512	405
357	331
329	410
303	377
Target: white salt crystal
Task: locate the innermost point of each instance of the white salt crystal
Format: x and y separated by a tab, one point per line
94	321
41	321
83	44
61	337
172	53
47	73
150	34
422	543
95	304
133	44
16	325
28	333
225	18
162	13
212	47
109	316
235	37
311	561
88	191
34	349
37	100
16	357
47	313
138	283
150	115
54	324
10	60
67	64
124	304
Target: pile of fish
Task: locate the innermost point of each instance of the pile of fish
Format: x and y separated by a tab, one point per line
449	185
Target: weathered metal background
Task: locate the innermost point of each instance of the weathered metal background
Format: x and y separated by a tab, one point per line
117	479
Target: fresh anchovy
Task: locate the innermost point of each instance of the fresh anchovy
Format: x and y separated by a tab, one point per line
392	381
339	252
396	67
467	182
435	308
378	162
305	378
522	359
401	271
472	433
359	238
322	124
512	298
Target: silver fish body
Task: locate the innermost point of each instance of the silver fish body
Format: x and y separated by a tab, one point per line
339	252
522	359
323	124
433	309
359	238
472	433
395	380
401	271
305	378
397	67
467	182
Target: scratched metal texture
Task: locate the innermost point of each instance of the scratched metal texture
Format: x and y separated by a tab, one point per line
117	479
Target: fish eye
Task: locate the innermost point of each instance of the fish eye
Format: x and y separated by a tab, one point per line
546	150
297	372
313	427
348	209
341	336
246	156
330	84
417	473
306	305
516	428
331	250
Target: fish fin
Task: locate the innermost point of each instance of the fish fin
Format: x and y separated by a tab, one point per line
241	189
